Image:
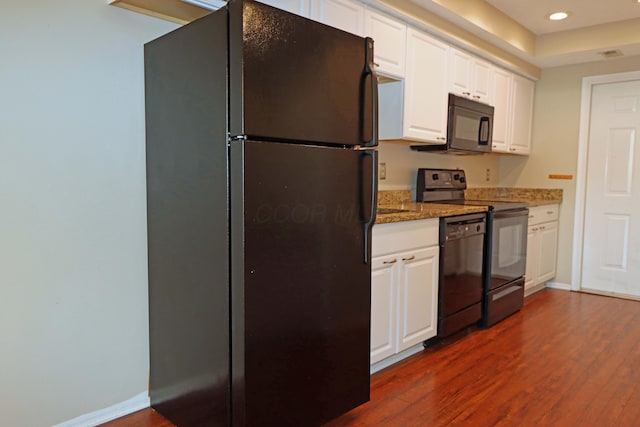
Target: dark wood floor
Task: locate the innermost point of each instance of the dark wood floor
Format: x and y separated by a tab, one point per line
567	359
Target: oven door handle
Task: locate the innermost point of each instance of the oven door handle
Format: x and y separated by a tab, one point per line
511	214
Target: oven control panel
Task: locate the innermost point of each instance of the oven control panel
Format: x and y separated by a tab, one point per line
440	181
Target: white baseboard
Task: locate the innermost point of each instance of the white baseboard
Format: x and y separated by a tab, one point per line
118	410
395	358
558	285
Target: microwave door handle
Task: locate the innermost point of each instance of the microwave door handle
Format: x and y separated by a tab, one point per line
484	131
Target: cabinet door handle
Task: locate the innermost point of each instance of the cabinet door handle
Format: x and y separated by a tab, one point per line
512	149
466	93
411	258
542	227
530	216
534	229
476	96
441	138
375	64
549	212
393	261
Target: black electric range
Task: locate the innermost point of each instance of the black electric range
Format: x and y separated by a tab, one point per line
505	247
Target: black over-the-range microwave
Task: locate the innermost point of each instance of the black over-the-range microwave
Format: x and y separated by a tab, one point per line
469	127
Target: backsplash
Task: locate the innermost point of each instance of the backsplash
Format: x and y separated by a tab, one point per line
402	165
393	197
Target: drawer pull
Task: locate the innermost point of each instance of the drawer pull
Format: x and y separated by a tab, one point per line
549	212
411	258
530	216
390	262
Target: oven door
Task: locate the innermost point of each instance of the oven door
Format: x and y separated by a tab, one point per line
508	246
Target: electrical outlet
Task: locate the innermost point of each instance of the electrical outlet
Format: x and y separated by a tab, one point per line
383	171
488	176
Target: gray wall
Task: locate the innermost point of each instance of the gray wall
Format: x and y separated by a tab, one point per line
73	279
556	126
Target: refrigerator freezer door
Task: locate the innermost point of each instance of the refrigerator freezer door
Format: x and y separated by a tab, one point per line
300	284
295	79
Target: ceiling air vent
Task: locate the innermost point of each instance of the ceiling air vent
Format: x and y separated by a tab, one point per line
610	53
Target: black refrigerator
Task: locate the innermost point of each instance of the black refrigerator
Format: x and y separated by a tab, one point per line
261	129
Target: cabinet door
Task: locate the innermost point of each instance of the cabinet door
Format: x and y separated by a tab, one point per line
532	258
522	115
390	37
482	81
548	251
299	7
384	288
460	70
425	107
418	296
345	15
502	81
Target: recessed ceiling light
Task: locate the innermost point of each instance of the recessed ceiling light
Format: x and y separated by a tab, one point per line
558	16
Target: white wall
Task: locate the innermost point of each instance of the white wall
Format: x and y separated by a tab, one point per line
73	283
556	122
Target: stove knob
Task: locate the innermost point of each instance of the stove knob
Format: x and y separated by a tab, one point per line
435	177
462	180
456	176
478	228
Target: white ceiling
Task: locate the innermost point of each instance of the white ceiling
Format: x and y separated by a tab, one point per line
593	27
583	13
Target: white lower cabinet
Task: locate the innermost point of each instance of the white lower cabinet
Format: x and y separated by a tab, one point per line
542	247
404	287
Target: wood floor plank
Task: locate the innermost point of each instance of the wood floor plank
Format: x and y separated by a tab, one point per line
567	359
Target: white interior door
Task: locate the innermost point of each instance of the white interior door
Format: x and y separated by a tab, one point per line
611	243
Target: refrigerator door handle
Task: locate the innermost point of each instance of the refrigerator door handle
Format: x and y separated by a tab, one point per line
369	206
370	73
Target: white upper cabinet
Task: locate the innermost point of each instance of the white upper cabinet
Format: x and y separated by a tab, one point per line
512	119
299	7
521	115
345	15
470	76
425	92
390	37
502	82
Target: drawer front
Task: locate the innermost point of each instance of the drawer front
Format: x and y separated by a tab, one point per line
545	213
404	236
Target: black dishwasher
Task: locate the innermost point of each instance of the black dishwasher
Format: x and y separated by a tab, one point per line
460	288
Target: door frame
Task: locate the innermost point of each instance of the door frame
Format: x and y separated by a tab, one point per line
581	174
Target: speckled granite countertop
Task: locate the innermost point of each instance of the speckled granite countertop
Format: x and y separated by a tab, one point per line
413	211
401	199
533	196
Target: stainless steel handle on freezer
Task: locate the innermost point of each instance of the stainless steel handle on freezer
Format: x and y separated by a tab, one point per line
371	215
370	72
